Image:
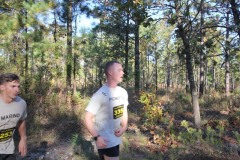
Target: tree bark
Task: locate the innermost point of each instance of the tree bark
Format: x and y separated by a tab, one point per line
202	84
69	45
189	68
126	49
168	75
196	110
26	87
236	15
227	64
137	59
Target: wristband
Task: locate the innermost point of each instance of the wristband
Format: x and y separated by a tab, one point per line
96	137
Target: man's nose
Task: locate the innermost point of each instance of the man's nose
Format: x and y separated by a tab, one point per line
17	89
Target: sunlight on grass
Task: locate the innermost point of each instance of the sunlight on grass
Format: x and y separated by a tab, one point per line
133	142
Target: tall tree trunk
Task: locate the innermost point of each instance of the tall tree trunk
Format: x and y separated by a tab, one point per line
26	56
75	62
137	59
126	50
236	15
55	26
69	46
227	64
187	86
74	73
189	68
156	75
26	65
168	74
147	85
206	86
156	69
214	75
201	87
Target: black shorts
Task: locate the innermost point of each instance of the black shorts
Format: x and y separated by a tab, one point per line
110	152
7	157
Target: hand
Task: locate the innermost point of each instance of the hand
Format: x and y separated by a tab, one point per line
119	132
22	147
101	142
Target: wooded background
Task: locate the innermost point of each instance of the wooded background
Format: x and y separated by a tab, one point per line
191	44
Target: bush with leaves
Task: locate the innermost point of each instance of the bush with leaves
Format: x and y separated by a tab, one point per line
152	110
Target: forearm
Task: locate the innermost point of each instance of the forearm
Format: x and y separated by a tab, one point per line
124	121
89	124
22	130
22	146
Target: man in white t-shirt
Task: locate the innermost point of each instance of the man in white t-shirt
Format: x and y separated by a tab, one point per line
13	113
106	115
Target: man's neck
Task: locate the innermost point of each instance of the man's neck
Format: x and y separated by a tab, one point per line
111	84
6	99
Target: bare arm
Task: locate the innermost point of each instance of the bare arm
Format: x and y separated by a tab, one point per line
101	143
22	147
90	124
124	122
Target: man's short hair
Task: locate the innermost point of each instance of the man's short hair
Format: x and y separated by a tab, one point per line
8	77
108	65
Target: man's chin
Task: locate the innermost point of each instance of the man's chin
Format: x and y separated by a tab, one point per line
14	97
120	81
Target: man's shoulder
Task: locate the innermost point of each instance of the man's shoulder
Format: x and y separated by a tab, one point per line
121	89
101	91
20	100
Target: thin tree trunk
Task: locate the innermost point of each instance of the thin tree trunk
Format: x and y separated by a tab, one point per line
214	75
201	87
126	51
168	75
69	46
236	15
148	70
156	75
156	70
196	110
55	27
26	56
227	64
206	86
189	68
75	63
137	59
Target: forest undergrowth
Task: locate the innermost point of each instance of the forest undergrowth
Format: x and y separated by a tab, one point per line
161	126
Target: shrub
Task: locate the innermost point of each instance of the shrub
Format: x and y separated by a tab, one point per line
152	111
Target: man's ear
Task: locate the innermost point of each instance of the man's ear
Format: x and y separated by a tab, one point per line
1	88
110	72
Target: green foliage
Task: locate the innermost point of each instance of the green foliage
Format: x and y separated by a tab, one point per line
192	135
210	134
76	98
237	135
152	111
221	128
184	98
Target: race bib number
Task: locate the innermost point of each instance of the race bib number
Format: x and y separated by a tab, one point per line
118	111
6	134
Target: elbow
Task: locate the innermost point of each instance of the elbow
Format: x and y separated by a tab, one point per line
87	118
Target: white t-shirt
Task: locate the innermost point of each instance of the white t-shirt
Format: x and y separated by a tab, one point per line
108	105
10	115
